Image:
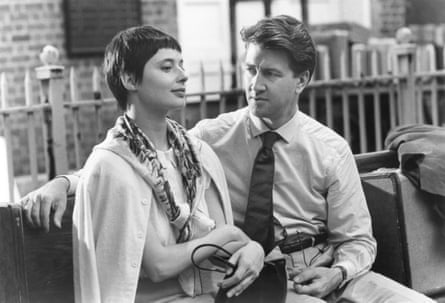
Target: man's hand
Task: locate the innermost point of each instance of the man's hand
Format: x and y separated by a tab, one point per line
317	281
249	261
38	204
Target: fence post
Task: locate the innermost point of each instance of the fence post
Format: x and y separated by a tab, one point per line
31	124
222	101
404	60
239	72
203	101
97	95
6	160
52	88
359	71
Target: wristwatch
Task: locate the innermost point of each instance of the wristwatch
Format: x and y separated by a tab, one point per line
344	273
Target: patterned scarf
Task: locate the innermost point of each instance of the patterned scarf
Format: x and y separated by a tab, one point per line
187	161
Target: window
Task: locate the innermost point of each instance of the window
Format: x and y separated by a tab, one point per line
90	24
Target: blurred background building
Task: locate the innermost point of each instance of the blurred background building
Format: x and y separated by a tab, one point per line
207	29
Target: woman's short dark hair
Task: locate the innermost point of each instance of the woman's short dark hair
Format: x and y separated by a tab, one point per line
128	52
284	33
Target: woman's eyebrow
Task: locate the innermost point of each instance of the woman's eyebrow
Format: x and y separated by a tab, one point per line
171	61
167	60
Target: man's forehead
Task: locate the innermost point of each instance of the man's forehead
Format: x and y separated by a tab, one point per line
259	56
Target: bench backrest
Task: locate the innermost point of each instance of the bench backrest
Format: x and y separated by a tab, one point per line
37	266
410	246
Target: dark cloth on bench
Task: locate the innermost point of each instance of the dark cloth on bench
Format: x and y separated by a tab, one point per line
421	150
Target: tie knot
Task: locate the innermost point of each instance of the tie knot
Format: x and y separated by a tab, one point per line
269	138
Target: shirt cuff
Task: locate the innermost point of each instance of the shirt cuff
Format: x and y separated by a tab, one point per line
346	269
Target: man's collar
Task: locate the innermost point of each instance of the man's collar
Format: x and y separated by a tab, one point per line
286	131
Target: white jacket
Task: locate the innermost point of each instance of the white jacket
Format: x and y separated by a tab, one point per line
113	205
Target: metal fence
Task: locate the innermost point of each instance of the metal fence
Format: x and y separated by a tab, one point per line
361	107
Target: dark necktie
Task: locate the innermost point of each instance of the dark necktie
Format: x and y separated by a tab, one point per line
258	222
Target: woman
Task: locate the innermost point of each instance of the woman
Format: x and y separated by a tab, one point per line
149	194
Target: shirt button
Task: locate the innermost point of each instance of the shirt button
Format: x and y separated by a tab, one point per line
134	264
144	201
140	235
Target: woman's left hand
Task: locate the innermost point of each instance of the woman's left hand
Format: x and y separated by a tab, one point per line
249	261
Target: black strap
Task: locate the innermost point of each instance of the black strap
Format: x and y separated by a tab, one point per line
300	241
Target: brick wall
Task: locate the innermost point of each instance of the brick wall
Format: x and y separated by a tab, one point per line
161	13
28	25
388	16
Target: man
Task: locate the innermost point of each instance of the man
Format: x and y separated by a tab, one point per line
320	219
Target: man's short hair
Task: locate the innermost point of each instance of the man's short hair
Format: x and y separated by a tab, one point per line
128	52
287	34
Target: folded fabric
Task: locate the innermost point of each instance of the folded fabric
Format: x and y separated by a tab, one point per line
421	152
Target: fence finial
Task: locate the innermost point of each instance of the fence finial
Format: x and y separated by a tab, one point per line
49	55
404	35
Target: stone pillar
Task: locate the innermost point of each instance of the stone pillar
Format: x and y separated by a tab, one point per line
51	92
403	62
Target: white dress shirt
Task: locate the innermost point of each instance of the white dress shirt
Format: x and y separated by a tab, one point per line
316	183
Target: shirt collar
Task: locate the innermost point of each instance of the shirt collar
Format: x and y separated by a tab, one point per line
287	131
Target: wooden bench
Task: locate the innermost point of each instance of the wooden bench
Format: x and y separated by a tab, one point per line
410	246
37	266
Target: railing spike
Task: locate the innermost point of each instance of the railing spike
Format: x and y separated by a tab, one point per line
28	88
73	85
96	83
4	91
221	73
202	76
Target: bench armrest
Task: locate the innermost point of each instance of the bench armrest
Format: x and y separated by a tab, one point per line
367	162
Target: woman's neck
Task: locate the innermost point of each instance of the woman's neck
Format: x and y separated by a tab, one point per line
154	127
